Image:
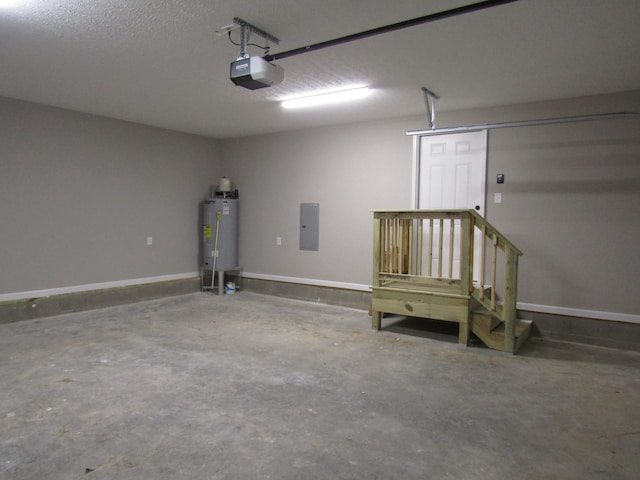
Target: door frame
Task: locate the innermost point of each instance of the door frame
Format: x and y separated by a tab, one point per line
415	168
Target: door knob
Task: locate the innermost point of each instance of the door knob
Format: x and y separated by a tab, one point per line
478	207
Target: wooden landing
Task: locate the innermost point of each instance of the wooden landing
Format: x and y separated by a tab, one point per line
451	307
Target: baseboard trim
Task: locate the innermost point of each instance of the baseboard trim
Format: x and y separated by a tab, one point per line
308	281
529	307
576	312
8	297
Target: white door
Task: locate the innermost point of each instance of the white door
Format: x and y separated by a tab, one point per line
451	173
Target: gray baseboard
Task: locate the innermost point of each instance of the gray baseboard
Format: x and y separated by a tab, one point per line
588	331
74	302
312	293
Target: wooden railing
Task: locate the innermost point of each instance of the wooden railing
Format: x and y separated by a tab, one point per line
497	251
456	251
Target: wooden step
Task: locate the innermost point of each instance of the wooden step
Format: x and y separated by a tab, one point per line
494	338
522	332
479	303
484	292
484	320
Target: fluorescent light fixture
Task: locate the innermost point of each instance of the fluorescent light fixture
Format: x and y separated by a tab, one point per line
11	3
327	98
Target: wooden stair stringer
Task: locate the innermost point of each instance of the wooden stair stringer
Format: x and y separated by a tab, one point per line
490	330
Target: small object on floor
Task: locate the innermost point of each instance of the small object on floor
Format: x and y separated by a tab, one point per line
89	470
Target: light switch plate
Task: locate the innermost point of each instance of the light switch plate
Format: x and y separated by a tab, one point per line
497	198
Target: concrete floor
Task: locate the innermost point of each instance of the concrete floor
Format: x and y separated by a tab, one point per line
248	386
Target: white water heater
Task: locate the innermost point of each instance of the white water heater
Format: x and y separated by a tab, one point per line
220	218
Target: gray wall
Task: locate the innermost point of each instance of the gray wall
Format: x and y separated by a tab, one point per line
571	202
571	199
348	170
80	194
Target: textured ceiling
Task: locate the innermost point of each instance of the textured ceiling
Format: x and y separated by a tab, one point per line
159	62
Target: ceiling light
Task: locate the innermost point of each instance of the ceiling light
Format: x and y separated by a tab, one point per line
11	3
327	98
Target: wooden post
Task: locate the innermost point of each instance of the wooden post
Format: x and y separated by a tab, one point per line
483	253
466	258
392	243
452	231
510	299
440	240
398	240
377	254
430	266
381	249
472	246
493	272
419	246
406	250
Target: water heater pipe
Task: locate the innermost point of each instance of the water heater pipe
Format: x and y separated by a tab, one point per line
215	248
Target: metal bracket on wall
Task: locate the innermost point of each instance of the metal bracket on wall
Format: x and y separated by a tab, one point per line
430	106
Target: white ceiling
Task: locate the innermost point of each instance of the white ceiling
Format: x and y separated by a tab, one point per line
159	62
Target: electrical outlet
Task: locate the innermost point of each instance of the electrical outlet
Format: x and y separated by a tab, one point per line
278	240
149	240
497	198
